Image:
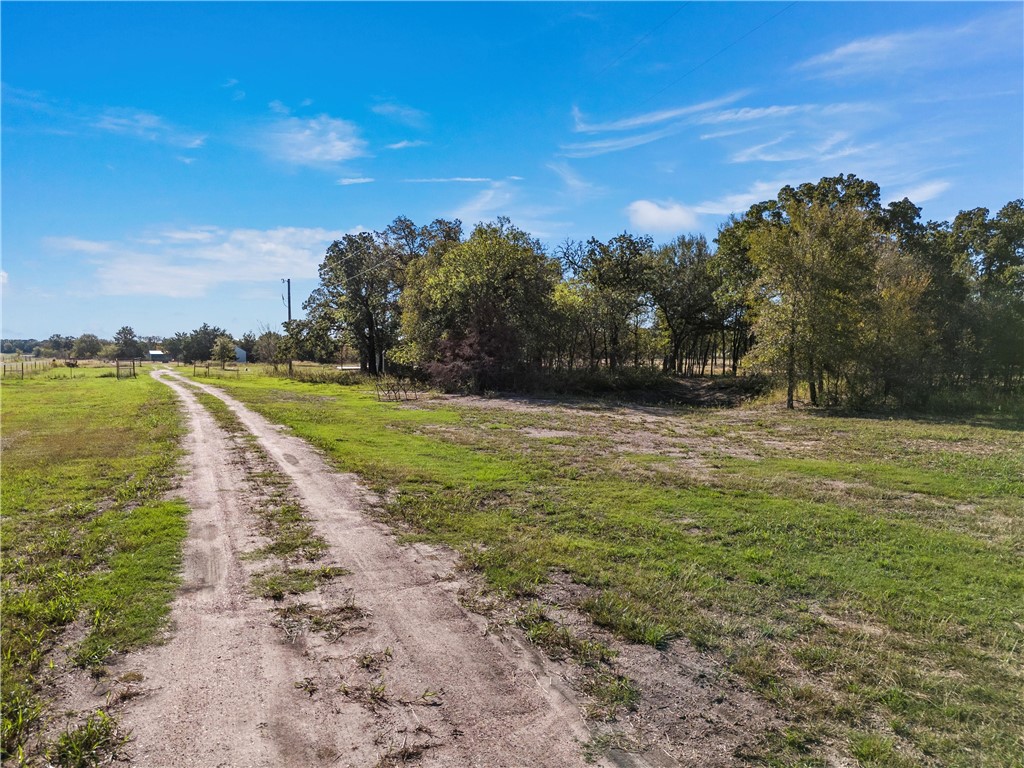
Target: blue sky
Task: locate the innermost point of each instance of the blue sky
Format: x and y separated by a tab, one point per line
166	164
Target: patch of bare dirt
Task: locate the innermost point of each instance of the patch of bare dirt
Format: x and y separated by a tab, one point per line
690	712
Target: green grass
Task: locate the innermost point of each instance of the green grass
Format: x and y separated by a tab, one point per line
862	574
87	536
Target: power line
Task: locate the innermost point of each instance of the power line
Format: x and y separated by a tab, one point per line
629	50
715	55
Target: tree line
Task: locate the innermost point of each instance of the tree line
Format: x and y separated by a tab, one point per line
206	343
822	289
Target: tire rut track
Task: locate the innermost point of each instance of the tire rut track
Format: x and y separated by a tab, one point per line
422	681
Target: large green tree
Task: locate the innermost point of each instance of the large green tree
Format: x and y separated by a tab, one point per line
198	345
683	284
812	253
478	313
126	343
358	295
361	278
615	276
87	345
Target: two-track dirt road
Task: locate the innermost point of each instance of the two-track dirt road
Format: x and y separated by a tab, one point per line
419	679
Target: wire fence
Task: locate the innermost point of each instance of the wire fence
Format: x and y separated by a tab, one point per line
19	369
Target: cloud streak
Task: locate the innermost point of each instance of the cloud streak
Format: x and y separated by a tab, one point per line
451	180
650	118
323	141
652	216
194	262
407	144
401	113
925	48
146	126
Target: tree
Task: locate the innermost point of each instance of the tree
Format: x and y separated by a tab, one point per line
478	315
358	295
361	279
198	345
87	345
269	346
175	345
813	274
616	274
224	350
248	343
683	284
126	343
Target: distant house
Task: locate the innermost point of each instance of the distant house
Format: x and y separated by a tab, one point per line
240	356
157	356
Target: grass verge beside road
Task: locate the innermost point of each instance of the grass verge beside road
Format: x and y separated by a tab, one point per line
862	574
91	549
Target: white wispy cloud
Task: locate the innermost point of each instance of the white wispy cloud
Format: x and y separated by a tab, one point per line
604	146
358	180
194	262
920	193
748	114
834	146
279	107
3	278
402	113
488	203
71	119
237	94
78	244
668	216
738	202
651	118
407	144
451	180
318	142
924	48
572	180
147	126
19	97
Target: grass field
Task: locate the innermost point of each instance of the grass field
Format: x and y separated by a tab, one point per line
863	574
91	551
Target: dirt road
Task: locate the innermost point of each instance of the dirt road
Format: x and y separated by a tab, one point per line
413	678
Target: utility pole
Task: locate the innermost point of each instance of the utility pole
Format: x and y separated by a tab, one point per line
288	282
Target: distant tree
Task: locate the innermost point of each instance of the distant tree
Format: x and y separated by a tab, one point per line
127	343
198	345
87	345
175	345
313	338
248	343
224	350
269	346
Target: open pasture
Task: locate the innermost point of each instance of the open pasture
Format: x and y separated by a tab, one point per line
861	574
90	547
